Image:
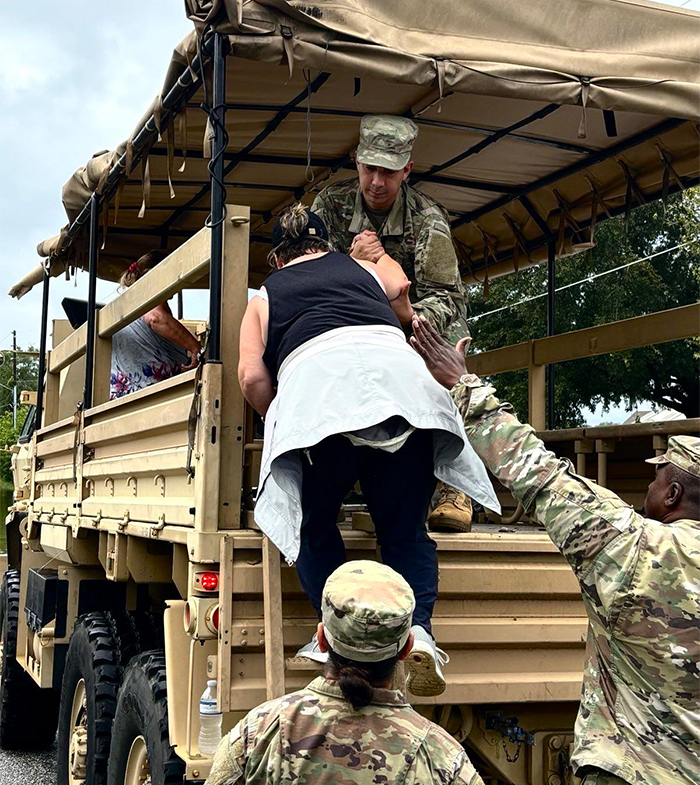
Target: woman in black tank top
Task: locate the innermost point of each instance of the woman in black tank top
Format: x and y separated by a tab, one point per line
312	290
354	403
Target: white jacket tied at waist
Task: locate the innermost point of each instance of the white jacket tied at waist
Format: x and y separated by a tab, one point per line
348	380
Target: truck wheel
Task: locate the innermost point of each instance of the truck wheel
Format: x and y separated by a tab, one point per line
101	644
141	750
22	727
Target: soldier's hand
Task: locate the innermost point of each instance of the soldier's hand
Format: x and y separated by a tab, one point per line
445	363
367	247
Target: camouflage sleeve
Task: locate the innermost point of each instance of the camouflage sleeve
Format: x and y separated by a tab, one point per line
593	528
440	758
323	207
229	761
439	292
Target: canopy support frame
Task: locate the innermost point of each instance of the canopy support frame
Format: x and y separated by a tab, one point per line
93	259
218	197
551	327
39	411
578	166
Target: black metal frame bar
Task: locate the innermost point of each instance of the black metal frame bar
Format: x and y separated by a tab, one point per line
218	195
533	245
559	174
475	129
534	214
39	411
495	137
92	300
343	162
551	327
313	86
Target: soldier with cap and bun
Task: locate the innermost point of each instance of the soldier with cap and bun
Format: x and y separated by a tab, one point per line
378	213
349	725
639	576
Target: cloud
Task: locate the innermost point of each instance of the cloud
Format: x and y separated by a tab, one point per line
78	77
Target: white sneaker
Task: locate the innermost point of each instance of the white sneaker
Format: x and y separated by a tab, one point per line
311	651
424	665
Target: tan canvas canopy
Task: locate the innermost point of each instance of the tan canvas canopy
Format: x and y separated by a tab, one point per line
536	119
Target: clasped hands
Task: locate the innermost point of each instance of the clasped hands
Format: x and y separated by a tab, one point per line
367	247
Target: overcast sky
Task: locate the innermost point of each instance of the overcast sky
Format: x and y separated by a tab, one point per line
77	76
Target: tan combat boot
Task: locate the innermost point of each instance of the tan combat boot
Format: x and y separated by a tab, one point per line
453	512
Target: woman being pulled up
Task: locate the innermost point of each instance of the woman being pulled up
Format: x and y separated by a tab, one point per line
324	358
154	347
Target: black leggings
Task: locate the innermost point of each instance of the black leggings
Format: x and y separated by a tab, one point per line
397	488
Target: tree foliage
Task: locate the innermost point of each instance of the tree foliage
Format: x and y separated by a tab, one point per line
8	437
666	374
27	372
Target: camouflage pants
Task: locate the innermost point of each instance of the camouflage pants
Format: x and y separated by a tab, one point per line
600	777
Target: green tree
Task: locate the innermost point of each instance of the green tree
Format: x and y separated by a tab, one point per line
666	374
27	373
8	437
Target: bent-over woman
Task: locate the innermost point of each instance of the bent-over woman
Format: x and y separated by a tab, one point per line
324	359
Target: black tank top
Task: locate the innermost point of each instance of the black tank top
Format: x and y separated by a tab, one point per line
310	298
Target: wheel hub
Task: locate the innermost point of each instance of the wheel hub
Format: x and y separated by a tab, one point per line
138	769
77	751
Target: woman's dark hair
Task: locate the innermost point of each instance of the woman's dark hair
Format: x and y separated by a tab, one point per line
357	679
293	221
140	267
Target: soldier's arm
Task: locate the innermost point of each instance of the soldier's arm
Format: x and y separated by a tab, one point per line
324	208
593	528
230	758
439	292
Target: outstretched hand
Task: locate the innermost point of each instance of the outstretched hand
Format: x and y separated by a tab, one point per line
445	363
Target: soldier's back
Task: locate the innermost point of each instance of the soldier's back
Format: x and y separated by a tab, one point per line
315	736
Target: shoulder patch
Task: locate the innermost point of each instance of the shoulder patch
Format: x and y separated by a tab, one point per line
436	260
467	774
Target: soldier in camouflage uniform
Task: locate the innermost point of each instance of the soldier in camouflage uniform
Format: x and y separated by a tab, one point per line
380	213
640	580
316	736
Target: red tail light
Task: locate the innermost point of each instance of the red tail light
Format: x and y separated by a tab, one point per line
206	581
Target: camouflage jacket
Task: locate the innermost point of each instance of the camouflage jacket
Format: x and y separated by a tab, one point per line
416	234
639	580
314	736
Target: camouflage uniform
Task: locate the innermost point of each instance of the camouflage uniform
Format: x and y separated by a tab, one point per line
416	232
314	736
639	579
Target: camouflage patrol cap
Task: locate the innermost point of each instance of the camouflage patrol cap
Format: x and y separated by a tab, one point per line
386	140
366	611
683	452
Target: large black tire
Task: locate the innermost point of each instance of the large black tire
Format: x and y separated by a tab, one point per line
101	645
142	711
28	714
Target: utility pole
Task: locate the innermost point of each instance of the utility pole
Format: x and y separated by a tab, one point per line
14	378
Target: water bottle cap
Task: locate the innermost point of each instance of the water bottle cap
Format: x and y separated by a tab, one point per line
211	682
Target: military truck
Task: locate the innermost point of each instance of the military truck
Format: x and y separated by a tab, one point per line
136	572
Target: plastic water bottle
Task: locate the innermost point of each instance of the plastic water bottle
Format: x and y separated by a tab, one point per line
210	719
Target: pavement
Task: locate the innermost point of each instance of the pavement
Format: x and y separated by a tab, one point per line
28	768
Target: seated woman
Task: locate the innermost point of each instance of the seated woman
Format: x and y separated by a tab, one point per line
324	359
154	347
